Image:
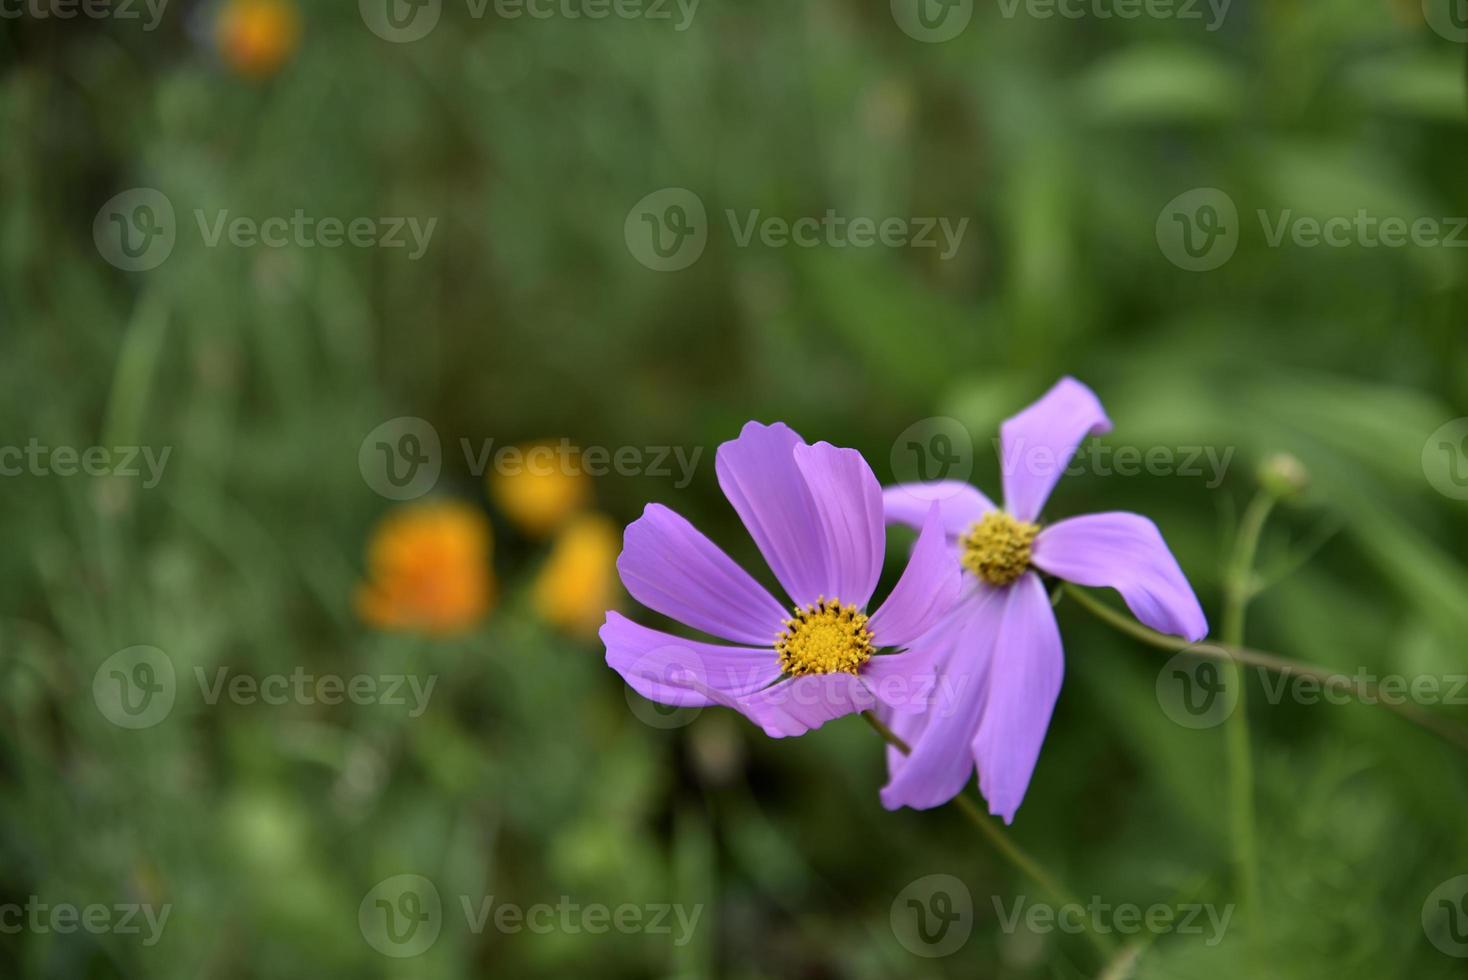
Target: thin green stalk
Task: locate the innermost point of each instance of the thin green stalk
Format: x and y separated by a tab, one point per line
1450	732
1238	589
1012	852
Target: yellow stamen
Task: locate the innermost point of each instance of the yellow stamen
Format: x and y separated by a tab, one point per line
997	547
824	638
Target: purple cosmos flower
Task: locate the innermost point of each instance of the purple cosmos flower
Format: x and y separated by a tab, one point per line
1001	637
815	512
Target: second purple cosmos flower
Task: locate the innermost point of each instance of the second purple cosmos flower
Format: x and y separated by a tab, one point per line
1001	640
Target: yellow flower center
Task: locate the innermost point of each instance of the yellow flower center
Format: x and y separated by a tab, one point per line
997	547
824	638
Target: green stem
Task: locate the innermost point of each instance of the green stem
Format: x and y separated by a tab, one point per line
1238	589
1367	692
1012	852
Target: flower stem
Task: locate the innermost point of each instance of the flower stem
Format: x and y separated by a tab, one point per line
1450	732
1012	852
1238	589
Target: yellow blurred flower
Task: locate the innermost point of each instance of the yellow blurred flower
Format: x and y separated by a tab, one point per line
256	37
578	582
428	569
539	486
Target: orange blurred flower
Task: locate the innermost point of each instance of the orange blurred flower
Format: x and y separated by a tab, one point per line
428	569
539	486
578	582
256	37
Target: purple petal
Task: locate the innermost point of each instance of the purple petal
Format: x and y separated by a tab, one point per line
1036	445
1127	553
848	501
795	706
942	760
925	592
672	670
757	472
1024	682
670	567
960	504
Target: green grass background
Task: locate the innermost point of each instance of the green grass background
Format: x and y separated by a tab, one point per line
530	778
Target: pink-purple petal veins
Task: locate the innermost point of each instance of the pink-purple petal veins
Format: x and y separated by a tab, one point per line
848	505
670	567
959	503
1036	445
1024	682
926	591
941	761
799	704
1125	552
672	670
757	472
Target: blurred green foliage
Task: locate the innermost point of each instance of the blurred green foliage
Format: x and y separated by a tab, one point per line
529	778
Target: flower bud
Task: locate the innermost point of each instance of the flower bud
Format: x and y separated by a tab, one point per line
1283	475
